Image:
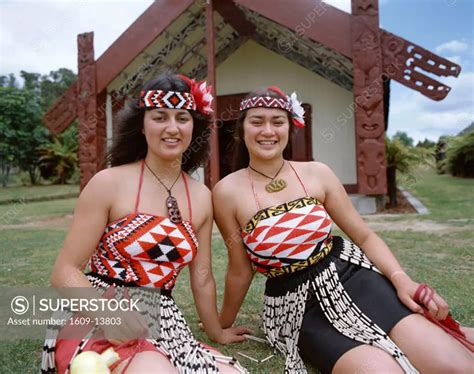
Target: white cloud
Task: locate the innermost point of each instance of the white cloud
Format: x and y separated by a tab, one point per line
422	118
40	36
345	5
455	59
454	46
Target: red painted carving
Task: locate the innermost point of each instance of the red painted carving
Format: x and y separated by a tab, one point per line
61	114
400	58
368	97
371	127
90	111
101	129
371	164
366	7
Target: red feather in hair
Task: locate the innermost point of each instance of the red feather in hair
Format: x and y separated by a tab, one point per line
277	90
202	94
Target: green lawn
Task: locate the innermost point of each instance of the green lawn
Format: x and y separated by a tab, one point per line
26	193
447	198
444	260
24	212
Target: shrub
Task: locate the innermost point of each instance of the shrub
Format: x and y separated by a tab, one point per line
58	159
403	159
460	156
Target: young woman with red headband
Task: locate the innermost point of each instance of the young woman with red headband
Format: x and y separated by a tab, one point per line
138	224
345	306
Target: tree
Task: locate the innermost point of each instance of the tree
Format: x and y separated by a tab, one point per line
460	156
8	81
400	158
21	130
54	85
31	81
58	159
467	129
404	138
48	87
426	144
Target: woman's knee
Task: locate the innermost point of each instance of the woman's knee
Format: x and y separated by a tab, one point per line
366	359
447	364
429	348
148	362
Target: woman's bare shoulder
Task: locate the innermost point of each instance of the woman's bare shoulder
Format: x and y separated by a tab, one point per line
229	185
312	167
198	189
103	185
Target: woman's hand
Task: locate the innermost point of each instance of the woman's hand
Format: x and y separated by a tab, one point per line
406	289
232	335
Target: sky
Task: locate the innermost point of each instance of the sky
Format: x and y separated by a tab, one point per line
40	36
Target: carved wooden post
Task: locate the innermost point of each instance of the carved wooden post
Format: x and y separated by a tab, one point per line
90	111
212	172
368	97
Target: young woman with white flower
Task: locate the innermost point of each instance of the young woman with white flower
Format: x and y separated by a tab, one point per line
343	308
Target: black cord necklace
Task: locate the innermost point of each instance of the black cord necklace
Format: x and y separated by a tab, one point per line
274	185
171	203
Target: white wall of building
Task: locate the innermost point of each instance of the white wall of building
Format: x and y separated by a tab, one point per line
253	66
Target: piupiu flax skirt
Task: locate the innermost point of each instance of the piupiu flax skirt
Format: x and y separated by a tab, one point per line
176	341
337	304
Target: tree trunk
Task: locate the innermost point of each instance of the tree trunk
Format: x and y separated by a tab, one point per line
33	176
5	174
392	185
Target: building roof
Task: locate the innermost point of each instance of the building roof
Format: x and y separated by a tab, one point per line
172	34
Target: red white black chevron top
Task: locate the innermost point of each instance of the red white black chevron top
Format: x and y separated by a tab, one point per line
146	250
287	233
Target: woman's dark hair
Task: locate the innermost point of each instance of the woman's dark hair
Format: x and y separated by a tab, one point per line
240	154
129	143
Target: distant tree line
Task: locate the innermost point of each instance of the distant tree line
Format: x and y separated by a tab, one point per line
25	143
451	154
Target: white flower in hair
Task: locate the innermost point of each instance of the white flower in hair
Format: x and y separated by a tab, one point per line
296	109
207	97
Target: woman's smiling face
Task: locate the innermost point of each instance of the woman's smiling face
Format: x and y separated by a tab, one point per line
168	132
266	132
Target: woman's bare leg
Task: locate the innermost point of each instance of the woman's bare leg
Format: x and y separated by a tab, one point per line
429	348
147	362
365	359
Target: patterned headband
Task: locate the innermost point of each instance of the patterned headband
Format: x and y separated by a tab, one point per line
199	98
167	99
290	104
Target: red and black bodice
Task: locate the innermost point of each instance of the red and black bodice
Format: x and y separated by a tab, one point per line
146	250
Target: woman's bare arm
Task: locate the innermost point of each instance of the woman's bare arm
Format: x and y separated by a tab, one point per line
343	213
90	218
202	280
239	269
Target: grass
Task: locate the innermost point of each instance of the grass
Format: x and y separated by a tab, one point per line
25	193
443	260
23	212
448	198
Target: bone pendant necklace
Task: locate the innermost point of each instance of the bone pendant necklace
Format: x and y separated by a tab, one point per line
171	203
275	184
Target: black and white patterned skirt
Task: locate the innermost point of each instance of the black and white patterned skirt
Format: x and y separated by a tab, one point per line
175	341
325	310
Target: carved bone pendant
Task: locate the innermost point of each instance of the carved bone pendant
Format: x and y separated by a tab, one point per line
275	185
173	210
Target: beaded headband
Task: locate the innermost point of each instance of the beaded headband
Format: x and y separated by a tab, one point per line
199	98
167	99
288	103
